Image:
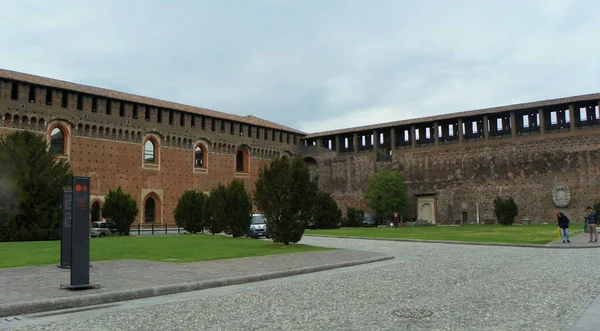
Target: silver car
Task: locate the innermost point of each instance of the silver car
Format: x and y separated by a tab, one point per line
258	226
101	229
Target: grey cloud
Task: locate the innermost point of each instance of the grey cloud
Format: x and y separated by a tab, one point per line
314	65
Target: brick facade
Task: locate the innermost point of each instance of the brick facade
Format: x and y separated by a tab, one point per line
108	144
455	164
460	172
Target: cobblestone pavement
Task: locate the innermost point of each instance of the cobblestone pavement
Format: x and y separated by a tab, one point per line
428	287
41	282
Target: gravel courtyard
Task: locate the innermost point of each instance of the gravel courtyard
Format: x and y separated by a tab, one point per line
427	287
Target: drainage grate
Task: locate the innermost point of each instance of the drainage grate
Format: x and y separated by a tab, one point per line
413	313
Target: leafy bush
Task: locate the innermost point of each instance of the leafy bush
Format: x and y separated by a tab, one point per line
216	210
505	210
121	208
355	216
31	181
325	213
239	208
189	213
285	194
385	194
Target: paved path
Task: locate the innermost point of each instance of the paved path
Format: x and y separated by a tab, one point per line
426	287
19	286
578	239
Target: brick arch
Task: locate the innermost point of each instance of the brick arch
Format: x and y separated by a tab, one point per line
65	128
202	144
286	154
156	142
101	131
87	129
241	159
100	204
94	130
157	208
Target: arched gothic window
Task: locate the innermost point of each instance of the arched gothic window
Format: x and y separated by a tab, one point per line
149	152
57	141
199	157
149	210
239	161
96	212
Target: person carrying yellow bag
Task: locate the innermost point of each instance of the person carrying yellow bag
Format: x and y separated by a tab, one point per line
563	226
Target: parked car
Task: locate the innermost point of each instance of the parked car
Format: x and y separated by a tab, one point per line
102	229
369	220
258	226
310	225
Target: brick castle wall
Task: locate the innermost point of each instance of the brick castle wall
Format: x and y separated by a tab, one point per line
526	168
109	148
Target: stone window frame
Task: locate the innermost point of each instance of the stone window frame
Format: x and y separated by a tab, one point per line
156	142
245	172
204	146
100	205
66	155
157	208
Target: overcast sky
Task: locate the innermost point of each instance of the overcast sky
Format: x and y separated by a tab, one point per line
313	65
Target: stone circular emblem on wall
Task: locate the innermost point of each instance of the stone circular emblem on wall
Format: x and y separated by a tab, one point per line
561	195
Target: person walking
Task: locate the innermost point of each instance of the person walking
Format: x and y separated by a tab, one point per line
563	226
592	220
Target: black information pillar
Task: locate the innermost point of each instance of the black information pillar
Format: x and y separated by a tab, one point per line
65	229
80	235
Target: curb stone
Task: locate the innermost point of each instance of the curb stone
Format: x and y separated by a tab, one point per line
38	306
454	242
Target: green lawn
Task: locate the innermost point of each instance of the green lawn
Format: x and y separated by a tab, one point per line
182	248
522	234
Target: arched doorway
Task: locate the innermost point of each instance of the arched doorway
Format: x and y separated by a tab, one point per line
150	210
426	212
95	212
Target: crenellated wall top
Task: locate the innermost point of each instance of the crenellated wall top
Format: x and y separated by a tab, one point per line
471	113
111	94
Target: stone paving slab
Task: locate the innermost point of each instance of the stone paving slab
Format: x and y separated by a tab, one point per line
19	286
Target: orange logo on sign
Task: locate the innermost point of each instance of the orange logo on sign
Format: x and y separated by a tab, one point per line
78	188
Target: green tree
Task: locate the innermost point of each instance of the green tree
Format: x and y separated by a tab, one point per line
121	208
506	210
285	194
386	195
325	213
31	181
239	208
216	210
355	216
189	213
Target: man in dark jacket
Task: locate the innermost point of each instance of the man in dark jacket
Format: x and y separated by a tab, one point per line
563	225
592	220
